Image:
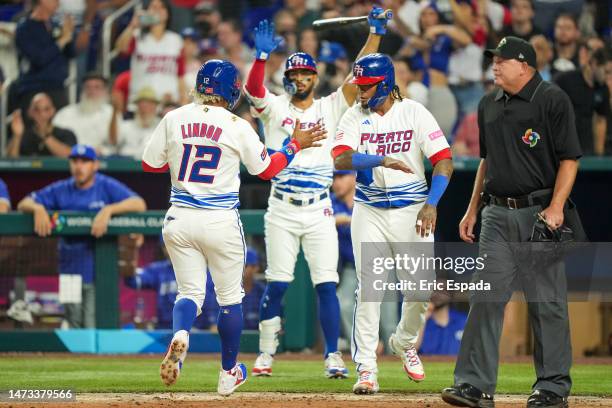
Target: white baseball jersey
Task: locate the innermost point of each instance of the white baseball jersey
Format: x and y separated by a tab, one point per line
311	170
157	64
203	147
406	132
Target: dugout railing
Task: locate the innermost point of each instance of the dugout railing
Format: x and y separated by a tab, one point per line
299	329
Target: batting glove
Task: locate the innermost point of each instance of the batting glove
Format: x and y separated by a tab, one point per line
378	19
265	41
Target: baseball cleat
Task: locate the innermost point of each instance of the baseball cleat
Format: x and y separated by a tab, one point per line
412	363
231	379
172	363
263	365
334	366
367	383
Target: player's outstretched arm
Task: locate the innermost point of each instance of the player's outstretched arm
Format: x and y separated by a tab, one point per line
427	216
265	43
301	139
346	158
377	20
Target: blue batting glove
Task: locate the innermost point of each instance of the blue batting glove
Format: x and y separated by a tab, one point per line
378	19
265	41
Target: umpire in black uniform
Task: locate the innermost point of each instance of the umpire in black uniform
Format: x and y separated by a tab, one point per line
529	153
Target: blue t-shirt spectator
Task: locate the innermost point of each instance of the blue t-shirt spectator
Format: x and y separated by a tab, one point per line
344	232
439	57
444	340
76	254
4	194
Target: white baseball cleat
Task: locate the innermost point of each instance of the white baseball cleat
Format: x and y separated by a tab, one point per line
367	383
263	365
231	379
334	366
172	363
412	363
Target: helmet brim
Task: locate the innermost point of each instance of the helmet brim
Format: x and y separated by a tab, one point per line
363	80
306	67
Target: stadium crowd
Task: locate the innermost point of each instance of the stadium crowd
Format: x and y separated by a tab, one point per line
436	45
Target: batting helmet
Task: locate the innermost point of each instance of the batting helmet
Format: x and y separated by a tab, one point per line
375	69
297	60
221	78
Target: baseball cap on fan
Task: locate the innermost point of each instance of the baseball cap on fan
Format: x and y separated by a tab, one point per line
514	48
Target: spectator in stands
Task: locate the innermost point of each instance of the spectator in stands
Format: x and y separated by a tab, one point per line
544	56
522	21
432	49
309	42
206	19
83	13
409	83
121	91
443	329
167	107
466	142
86	190
37	136
8	51
191	56
406	13
334	66
84	118
303	15
157	59
231	46
286	27
43	51
547	11
589	94
567	37
5	199
129	136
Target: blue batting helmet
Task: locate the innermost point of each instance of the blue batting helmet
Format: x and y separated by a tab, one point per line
297	60
221	78
375	69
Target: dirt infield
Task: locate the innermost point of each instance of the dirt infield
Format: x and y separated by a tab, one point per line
278	400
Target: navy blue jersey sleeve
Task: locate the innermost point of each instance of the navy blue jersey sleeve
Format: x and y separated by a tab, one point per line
4	194
116	190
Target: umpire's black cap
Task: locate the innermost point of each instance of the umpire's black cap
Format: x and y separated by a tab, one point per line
514	48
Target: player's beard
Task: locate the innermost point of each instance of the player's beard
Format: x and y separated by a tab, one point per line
303	95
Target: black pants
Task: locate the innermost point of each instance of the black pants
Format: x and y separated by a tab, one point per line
510	265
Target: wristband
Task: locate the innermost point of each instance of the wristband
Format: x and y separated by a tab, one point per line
290	149
439	182
262	55
361	161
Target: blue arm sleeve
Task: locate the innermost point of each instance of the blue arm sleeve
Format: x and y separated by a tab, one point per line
361	161
439	183
4	194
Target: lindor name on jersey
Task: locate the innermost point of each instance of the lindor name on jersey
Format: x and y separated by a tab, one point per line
204	159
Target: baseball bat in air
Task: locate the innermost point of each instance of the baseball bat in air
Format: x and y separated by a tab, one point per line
327	23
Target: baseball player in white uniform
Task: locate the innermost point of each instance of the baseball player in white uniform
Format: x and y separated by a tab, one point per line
385	138
299	208
202	144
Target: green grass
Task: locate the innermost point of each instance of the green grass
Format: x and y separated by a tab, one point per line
116	374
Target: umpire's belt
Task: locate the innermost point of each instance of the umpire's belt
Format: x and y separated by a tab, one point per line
300	203
538	197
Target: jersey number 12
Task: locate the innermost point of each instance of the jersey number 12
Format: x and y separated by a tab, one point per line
210	156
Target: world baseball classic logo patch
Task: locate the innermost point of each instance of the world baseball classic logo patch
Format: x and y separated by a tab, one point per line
531	138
